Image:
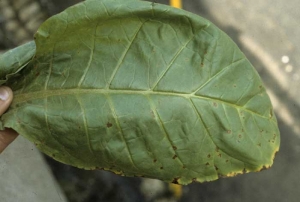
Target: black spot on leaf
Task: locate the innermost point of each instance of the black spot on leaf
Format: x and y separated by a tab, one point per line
175	180
109	124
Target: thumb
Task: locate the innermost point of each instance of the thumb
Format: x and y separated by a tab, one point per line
7	135
6	96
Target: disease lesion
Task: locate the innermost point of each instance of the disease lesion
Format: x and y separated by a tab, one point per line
109	125
175	180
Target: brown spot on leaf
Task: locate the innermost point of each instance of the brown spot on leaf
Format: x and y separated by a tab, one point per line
229	131
194	179
227	161
183	167
207	164
216	168
161	168
215	104
240	136
154	160
259	144
175	180
109	124
175	156
208	156
264	168
174	147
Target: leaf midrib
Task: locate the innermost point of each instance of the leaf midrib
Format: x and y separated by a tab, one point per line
24	97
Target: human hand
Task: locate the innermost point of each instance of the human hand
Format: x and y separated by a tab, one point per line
7	135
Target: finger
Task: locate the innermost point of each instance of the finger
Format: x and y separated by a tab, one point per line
6	137
6	96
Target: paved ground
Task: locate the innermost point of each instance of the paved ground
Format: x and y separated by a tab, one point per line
25	177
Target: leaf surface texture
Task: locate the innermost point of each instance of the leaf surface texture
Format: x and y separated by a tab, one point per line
142	89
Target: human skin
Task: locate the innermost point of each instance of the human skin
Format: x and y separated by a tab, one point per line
7	136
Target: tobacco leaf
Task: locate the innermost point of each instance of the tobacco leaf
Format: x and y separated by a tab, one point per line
140	89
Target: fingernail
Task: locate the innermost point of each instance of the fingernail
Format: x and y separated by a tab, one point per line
4	95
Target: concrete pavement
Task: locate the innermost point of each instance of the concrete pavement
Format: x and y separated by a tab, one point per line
25	176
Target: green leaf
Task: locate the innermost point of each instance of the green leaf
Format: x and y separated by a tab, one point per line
15	60
143	89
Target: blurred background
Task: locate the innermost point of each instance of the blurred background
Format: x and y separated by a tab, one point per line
268	32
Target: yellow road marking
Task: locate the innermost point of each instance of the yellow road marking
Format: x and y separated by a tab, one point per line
176	3
176	190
